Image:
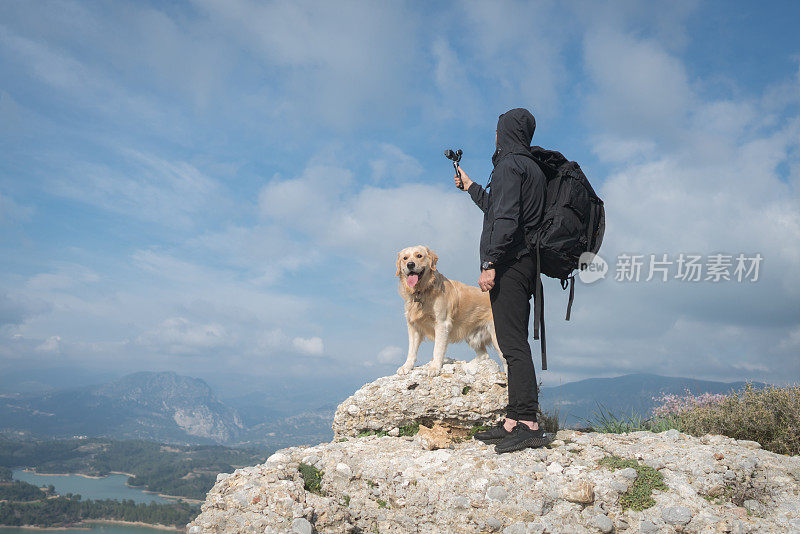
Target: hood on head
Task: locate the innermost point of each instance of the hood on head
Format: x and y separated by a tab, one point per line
514	132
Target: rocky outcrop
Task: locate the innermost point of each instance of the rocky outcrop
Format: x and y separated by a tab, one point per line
163	407
463	395
583	483
188	402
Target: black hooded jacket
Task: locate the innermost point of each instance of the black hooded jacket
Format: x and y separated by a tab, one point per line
514	197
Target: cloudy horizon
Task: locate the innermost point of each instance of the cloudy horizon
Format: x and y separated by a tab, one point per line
219	189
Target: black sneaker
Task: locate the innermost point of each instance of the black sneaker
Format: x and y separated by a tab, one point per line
522	437
494	434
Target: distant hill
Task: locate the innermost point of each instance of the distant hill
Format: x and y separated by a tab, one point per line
155	406
170	408
627	394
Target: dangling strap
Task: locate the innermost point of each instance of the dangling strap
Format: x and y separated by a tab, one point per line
536	317
538	308
571	282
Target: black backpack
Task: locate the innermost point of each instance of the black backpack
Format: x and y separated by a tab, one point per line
574	222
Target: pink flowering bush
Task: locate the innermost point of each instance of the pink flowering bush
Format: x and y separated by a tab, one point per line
675	405
769	415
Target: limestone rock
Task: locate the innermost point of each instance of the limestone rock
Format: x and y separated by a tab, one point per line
301	526
393	485
676	515
580	491
465	394
602	523
397	487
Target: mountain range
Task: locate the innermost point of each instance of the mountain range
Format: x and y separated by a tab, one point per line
171	408
156	406
627	395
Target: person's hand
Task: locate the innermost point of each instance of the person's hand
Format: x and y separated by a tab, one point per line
464	179
486	280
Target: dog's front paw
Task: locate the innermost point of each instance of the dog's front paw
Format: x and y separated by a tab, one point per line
433	369
405	369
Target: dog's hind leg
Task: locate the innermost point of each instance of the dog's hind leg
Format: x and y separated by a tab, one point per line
414	339
477	342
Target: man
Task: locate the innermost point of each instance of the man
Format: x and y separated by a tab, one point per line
512	203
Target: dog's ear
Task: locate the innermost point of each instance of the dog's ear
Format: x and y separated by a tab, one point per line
433	258
398	263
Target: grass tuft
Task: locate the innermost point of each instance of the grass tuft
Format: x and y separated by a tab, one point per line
640	495
409	429
477	428
548	421
312	478
605	421
368	432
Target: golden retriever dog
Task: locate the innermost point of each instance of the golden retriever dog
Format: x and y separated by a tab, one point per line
442	310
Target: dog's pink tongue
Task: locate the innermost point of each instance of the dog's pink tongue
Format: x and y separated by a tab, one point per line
412	280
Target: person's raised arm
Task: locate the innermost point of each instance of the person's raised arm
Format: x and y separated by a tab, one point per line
478	194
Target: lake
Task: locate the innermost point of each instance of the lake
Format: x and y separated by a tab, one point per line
110	487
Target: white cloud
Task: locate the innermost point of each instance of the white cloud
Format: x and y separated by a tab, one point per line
51	345
178	335
89	87
639	89
312	346
273	339
144	186
13	213
393	163
326	62
16	308
368	224
233	94
689	174
65	276
390	354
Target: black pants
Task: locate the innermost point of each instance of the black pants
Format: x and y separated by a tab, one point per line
514	285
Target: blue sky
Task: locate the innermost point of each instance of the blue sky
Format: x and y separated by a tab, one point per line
219	188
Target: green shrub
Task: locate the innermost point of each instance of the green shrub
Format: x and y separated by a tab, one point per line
368	432
640	494
770	416
312	478
410	429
